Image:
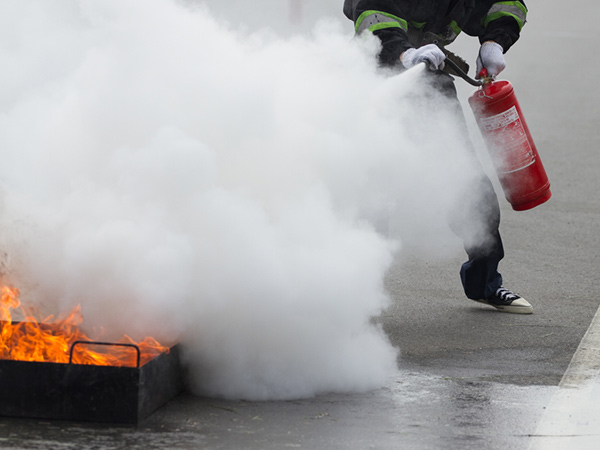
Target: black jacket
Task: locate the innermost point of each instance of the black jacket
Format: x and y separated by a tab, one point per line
435	16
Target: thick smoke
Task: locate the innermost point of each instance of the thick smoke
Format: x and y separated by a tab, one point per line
238	191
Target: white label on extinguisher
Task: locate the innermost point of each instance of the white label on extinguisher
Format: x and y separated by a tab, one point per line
509	146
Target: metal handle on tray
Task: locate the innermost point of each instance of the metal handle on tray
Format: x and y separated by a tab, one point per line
137	349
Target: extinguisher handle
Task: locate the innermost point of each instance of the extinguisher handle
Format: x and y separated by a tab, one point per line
461	73
483	73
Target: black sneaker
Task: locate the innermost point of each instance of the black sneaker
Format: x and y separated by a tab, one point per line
507	301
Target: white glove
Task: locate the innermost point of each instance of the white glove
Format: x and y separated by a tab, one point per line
430	54
491	57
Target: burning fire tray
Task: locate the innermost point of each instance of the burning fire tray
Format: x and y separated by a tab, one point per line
83	392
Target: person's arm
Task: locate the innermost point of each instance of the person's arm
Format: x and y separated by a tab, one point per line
385	19
502	24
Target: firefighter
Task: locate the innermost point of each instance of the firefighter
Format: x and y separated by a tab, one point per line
416	31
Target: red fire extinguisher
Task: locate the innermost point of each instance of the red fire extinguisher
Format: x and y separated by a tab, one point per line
511	147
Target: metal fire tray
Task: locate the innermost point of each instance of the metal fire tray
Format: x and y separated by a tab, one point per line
78	392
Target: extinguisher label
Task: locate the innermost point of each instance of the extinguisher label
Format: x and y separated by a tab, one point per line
509	146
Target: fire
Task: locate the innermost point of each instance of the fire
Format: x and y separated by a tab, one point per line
61	341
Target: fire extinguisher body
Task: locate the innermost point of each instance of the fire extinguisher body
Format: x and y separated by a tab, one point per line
511	147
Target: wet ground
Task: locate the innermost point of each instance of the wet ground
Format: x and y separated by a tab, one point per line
415	411
468	377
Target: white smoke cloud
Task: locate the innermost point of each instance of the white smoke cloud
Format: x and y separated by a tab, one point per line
183	179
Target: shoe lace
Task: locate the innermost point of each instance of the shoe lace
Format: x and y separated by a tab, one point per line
505	294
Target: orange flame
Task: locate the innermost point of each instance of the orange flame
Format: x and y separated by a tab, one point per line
46	341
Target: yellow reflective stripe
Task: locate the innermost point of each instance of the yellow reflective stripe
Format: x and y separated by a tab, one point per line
516	10
417	25
378	20
381	26
454	27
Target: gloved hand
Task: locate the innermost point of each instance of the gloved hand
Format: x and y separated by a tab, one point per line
491	57
430	54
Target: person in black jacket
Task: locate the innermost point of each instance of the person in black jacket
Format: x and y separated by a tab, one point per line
416	31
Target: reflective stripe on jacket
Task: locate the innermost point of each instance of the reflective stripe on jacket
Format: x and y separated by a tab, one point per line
378	20
516	10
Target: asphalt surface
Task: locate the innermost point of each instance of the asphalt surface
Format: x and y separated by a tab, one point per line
468	376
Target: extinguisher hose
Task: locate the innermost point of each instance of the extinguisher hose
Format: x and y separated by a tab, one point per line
461	74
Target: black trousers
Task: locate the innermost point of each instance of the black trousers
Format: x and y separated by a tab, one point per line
476	216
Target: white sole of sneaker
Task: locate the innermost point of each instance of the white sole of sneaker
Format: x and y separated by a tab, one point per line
522	308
